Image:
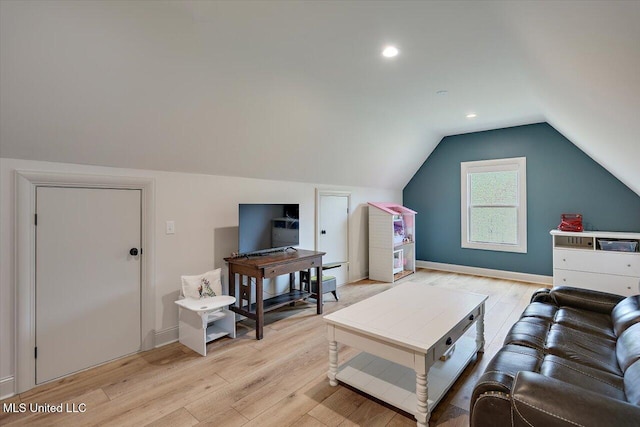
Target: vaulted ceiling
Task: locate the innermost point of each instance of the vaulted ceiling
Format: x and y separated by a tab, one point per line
299	91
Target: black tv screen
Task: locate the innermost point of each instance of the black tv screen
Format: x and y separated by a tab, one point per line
267	227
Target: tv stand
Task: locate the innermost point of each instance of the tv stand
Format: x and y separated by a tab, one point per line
267	267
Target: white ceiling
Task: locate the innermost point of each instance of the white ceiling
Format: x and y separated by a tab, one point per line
298	90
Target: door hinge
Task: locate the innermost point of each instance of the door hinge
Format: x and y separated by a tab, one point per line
35	352
35	219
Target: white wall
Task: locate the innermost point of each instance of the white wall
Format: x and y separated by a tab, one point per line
205	211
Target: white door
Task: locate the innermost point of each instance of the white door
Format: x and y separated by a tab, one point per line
87	280
334	234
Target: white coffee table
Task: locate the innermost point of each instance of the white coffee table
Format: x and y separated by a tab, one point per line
403	332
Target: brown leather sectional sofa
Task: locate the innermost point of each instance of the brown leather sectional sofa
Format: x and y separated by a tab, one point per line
573	359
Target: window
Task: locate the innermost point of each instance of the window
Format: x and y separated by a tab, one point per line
494	204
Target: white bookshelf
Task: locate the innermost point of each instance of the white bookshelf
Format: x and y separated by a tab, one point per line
391	241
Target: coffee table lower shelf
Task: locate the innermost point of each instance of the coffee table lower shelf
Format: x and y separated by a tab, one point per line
396	384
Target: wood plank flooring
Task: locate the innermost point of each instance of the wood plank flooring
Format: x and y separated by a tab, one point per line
278	381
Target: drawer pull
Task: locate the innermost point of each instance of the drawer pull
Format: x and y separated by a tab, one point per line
449	341
313	262
564	259
471	317
564	280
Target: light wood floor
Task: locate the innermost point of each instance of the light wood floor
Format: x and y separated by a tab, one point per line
278	381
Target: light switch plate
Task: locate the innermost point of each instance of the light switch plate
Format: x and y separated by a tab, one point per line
171	227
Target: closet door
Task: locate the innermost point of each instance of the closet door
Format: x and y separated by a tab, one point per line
87	278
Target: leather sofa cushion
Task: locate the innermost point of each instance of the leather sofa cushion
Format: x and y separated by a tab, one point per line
585	299
626	314
628	347
583	376
584	348
587	321
632	383
530	332
541	311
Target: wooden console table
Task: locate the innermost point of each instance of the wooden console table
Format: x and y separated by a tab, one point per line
270	266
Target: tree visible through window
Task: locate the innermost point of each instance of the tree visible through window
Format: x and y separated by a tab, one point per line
494	204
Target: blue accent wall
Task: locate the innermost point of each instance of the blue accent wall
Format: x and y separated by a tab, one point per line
560	179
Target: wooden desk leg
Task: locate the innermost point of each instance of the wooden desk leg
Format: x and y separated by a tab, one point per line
232	283
292	286
259	308
307	280
319	296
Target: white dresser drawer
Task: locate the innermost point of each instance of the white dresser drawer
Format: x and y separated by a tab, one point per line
620	263
619	285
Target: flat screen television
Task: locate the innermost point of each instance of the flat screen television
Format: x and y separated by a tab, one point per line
267	227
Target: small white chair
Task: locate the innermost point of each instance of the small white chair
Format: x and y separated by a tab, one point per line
202	320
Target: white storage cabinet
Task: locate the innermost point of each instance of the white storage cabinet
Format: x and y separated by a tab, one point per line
585	260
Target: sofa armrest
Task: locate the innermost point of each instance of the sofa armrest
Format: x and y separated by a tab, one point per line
542	295
585	299
542	401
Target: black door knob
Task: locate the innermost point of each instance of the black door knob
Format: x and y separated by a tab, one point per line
133	252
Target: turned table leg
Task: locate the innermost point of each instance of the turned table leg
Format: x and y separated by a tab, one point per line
422	395
333	363
423	364
333	354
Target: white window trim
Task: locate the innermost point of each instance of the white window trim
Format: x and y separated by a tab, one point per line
518	164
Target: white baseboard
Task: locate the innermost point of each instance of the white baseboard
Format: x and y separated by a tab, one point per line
487	272
166	336
7	387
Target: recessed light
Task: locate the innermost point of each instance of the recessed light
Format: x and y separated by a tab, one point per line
390	52
472	116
